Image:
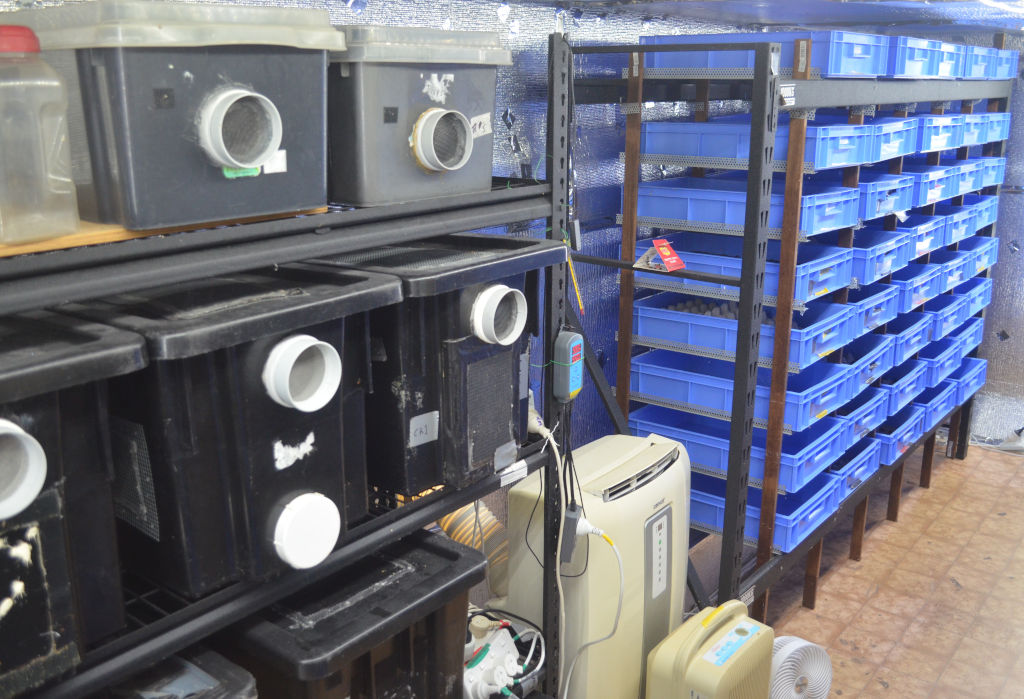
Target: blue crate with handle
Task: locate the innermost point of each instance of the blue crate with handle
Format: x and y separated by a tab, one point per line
917	283
961	221
904	382
797	514
910	57
873	306
936	402
866	412
986	209
899	433
894	137
971	334
985	250
957	266
948	312
926	233
857	465
978	294
912	332
877	252
969	378
941	357
933	183
869	358
939	132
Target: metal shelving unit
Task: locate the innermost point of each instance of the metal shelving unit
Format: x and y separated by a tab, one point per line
164	623
800	95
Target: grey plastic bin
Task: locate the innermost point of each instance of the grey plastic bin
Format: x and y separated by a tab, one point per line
185	114
410	114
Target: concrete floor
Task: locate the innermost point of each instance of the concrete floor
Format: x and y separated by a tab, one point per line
935	606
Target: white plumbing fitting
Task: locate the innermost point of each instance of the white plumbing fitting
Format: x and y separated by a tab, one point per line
22	469
239	128
498	314
303	373
442	140
307	530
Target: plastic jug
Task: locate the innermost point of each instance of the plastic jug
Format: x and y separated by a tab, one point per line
37	195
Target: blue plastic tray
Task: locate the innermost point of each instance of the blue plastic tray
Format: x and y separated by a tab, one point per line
972	173
997	127
816	332
866	412
977	291
873	306
869	357
961	222
882	194
904	382
975	129
835	54
910	57
917	284
985	250
933	183
797	514
820	269
956	267
894	137
941	357
948	312
827	145
878	252
993	171
969	378
899	433
856	466
970	335
724	200
926	233
811	395
804	454
983	63
936	402
912	332
939	132
986	208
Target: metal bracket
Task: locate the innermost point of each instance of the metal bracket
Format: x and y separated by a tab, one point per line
908	107
944	105
863	110
802	113
635	108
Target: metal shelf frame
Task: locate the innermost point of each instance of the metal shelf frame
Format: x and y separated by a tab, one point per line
800	94
45	279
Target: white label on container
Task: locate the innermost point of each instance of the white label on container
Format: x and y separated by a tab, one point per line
436	87
480	125
278	162
286	455
423	428
788	94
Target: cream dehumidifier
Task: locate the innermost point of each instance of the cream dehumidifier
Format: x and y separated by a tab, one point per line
720	653
637	489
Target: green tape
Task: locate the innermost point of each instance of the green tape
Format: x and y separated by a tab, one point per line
233	173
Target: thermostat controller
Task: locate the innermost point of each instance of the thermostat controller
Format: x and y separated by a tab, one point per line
568	362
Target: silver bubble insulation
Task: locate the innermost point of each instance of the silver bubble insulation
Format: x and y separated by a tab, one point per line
599	133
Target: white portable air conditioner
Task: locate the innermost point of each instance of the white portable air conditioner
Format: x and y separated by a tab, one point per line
637	489
720	653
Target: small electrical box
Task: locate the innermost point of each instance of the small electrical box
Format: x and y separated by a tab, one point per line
568	362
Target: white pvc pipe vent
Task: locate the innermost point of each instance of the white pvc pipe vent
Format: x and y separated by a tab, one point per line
307	530
442	140
22	469
498	315
302	372
239	128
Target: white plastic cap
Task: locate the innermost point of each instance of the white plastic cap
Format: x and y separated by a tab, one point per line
307	530
498	314
22	469
442	140
302	372
239	128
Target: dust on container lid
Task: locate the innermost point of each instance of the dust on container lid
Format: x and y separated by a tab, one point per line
378	44
151	23
17	39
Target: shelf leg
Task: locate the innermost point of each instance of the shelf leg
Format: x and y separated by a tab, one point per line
926	461
963	437
860	522
811	574
895	491
954	432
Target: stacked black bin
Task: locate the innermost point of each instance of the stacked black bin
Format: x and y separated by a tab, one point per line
217	479
60	579
448	407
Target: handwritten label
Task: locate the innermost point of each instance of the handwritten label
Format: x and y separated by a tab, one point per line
423	428
480	125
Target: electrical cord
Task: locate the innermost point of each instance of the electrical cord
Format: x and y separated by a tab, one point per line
585	527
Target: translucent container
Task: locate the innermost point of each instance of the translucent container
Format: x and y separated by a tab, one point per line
37	195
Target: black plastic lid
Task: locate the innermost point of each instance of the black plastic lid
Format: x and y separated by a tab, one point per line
316	632
440	265
42	352
185	320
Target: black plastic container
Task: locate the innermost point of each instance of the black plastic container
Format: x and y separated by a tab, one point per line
391	625
196	674
450	407
239	450
60	543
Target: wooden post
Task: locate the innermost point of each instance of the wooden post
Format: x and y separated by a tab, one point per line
860	522
630	193
895	491
783	321
811	574
704	98
926	461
